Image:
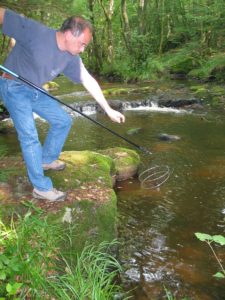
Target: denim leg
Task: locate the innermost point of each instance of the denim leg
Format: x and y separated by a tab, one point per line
60	123
17	98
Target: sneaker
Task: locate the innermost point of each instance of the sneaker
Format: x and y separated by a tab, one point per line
55	165
51	196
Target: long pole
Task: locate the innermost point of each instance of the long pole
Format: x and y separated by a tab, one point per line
4	69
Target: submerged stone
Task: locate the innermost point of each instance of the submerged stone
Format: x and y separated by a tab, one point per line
133	131
168	137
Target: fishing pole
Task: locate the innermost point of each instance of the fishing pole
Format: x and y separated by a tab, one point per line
151	178
4	69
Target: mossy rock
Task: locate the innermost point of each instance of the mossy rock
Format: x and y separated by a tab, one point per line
126	162
50	86
91	205
133	131
84	166
195	88
218	90
91	199
90	210
202	92
7	127
115	91
120	91
217	101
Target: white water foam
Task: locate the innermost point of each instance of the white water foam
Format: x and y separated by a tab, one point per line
90	110
154	107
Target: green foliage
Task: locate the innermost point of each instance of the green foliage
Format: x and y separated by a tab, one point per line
5	174
3	151
92	277
170	296
215	66
209	239
27	251
32	266
152	68
9	263
190	34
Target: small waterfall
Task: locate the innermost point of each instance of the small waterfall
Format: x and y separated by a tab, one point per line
151	106
91	107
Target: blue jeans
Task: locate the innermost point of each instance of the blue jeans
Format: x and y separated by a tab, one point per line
21	101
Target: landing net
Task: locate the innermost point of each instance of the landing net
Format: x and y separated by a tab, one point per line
154	176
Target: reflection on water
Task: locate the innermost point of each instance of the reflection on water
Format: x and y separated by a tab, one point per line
157	226
158	246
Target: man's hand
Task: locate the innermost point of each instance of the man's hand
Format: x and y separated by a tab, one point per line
115	116
94	89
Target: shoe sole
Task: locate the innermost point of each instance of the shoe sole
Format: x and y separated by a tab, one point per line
55	169
60	199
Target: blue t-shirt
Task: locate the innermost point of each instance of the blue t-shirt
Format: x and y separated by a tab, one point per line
36	55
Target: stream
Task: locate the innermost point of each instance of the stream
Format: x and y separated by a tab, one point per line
158	248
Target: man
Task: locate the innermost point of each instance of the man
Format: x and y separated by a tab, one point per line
40	54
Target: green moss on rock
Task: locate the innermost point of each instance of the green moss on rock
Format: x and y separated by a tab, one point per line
51	86
84	167
120	91
126	162
90	210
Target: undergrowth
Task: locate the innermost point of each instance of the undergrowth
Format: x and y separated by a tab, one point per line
33	264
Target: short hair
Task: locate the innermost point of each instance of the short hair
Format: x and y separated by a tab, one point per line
76	25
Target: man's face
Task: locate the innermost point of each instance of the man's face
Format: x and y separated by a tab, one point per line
76	45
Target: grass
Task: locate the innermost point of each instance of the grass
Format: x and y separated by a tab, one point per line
33	264
92	277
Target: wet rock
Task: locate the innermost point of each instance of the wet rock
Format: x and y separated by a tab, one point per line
116	104
218	90
50	86
121	105
168	137
179	102
6	125
133	131
126	162
3	112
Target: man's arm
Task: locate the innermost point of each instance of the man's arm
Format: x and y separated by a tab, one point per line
94	89
2	13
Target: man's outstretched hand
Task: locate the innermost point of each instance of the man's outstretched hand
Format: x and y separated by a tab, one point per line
116	116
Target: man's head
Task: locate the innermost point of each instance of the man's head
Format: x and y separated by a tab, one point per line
77	34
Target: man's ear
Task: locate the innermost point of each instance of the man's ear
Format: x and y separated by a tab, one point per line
68	35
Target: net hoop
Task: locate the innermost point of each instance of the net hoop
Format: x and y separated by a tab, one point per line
154	176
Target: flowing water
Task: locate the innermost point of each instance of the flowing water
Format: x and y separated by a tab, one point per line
159	250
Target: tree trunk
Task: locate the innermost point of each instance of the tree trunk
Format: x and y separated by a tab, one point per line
162	27
108	16
96	48
142	5
125	26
